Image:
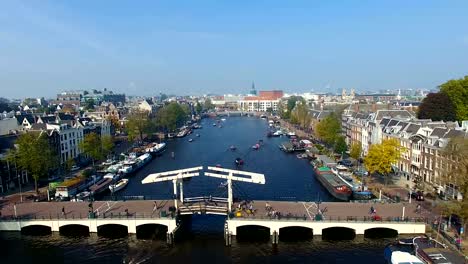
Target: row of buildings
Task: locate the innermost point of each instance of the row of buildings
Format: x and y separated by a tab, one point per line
424	142
64	133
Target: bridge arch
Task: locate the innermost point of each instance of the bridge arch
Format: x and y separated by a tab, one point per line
252	232
112	230
338	233
36	230
296	232
151	231
380	232
74	230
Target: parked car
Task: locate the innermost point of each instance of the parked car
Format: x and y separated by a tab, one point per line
346	163
361	173
418	196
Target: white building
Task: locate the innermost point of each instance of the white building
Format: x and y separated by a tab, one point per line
70	138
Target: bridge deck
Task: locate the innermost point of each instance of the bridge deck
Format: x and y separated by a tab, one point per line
146	208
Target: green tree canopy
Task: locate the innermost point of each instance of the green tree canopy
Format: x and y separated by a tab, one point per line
89	104
107	143
208	104
138	123
381	157
91	145
355	151
34	155
301	115
171	116
437	106
457	91
328	129
198	108
340	145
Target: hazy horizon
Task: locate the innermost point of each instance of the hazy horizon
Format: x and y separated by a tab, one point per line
203	47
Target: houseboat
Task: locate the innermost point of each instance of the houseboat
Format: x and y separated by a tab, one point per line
102	184
336	186
156	148
133	164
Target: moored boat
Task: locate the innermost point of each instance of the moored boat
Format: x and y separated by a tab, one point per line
421	249
156	148
118	185
334	184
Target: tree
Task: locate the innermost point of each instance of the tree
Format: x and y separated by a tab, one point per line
437	106
89	104
91	146
340	145
198	108
355	151
301	115
115	122
35	155
448	209
107	143
328	129
208	104
457	91
138	123
456	172
381	157
171	116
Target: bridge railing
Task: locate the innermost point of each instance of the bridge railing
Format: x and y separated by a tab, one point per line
306	218
112	215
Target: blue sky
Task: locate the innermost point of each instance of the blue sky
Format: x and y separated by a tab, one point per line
196	47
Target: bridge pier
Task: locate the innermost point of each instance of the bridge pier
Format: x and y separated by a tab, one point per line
170	238
275	237
227	235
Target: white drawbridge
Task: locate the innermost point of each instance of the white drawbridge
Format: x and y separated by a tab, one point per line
229	175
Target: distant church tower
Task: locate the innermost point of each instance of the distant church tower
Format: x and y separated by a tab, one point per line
253	91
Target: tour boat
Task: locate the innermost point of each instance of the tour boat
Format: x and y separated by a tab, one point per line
118	185
418	250
335	185
156	148
223	119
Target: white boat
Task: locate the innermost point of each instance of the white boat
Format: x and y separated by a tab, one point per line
133	164
190	140
223	119
118	185
278	133
81	197
171	135
182	133
291	134
156	148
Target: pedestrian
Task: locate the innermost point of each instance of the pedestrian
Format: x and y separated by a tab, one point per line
371	210
418	208
155	206
126	212
63	210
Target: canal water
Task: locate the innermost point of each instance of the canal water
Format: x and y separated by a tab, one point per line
287	178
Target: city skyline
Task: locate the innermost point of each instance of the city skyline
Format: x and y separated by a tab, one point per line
220	48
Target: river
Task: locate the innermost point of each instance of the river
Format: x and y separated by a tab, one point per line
287	178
